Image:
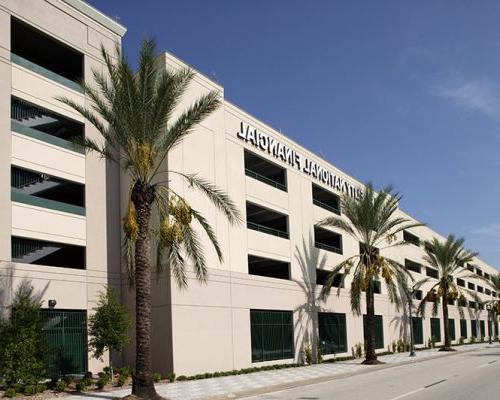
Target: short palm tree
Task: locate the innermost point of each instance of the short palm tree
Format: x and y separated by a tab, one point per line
372	222
408	289
450	259
133	111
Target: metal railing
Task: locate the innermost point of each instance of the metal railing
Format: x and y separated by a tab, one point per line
265	179
17	127
265	229
327	247
45	72
326	206
46	203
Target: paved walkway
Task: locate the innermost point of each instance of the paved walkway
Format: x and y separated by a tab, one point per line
233	386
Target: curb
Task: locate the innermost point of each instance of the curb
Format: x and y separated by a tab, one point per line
312	381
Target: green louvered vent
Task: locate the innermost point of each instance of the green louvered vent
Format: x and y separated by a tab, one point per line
418	331
463	328
451	329
379	331
483	328
65	333
473	325
272	335
332	332
436	329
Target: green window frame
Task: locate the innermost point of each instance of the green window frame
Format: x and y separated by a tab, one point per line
473	325
418	330
463	328
451	329
379	331
332	332
65	334
436	329
271	335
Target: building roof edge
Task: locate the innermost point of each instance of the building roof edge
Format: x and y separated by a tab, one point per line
96	15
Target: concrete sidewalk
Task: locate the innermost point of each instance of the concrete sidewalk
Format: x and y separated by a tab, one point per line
261	382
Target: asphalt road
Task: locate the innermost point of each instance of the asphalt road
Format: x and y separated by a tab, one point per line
470	376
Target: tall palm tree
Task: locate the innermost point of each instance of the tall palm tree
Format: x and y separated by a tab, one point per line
133	111
450	259
372	222
494	304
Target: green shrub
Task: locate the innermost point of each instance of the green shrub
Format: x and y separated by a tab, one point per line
10	392
81	386
22	348
121	380
18	387
41	387
124	371
308	354
61	386
184	378
68	379
319	353
156	377
108	325
171	377
87	381
103	376
101	382
30	390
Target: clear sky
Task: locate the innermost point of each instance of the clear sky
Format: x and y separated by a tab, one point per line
395	92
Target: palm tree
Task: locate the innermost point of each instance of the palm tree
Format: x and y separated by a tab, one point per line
494	304
408	289
133	111
372	222
450	259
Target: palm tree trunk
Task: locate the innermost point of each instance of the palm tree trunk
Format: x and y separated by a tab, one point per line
447	343
142	386
370	356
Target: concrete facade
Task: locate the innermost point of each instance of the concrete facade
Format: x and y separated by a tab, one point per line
206	327
80	27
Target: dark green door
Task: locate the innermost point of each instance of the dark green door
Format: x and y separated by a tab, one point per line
436	329
418	332
451	329
379	331
463	328
65	333
332	332
483	329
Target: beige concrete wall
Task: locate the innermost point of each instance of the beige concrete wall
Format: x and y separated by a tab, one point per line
79	28
211	322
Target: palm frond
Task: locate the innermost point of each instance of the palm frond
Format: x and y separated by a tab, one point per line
194	251
209	232
217	197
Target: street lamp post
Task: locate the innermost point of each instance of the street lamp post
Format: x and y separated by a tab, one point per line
412	339
489	308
